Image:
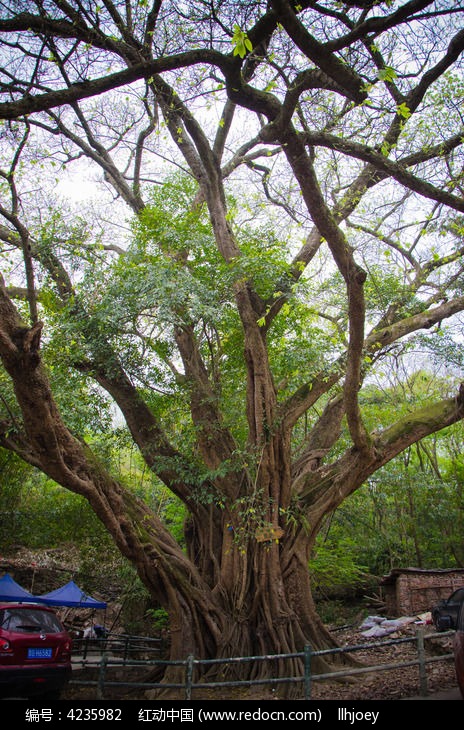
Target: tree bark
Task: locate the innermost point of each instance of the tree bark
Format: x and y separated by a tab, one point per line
257	600
241	587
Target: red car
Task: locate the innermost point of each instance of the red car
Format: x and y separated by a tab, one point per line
458	642
35	651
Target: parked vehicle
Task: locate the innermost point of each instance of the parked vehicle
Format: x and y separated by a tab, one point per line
445	613
458	645
35	651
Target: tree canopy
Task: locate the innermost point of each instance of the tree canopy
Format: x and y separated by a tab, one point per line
277	217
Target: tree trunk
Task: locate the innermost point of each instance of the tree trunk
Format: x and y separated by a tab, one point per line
270	611
243	586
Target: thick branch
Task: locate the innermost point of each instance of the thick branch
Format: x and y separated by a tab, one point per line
215	440
160	456
417	425
353	275
389	168
329	486
138	533
423	320
165	461
322	436
309	393
31	104
317	52
372	26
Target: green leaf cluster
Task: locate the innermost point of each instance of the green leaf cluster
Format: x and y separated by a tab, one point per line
241	43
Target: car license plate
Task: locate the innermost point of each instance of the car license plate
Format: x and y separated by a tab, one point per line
39	653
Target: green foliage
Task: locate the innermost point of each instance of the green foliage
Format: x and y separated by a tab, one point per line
383	288
403	111
241	42
387	74
409	514
261	122
171	510
45	515
13	474
37	513
172	275
339	612
262	260
384	405
85	407
336	561
159	618
443	346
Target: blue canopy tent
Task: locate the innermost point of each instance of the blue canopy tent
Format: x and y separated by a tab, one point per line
12	591
70	595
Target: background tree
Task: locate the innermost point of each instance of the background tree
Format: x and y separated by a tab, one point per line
410	512
236	326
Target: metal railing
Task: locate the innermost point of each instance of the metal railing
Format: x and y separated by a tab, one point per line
90	650
105	665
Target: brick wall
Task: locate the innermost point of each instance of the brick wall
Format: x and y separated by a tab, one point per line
411	592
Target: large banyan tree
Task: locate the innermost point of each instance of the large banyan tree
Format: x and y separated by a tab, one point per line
286	181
